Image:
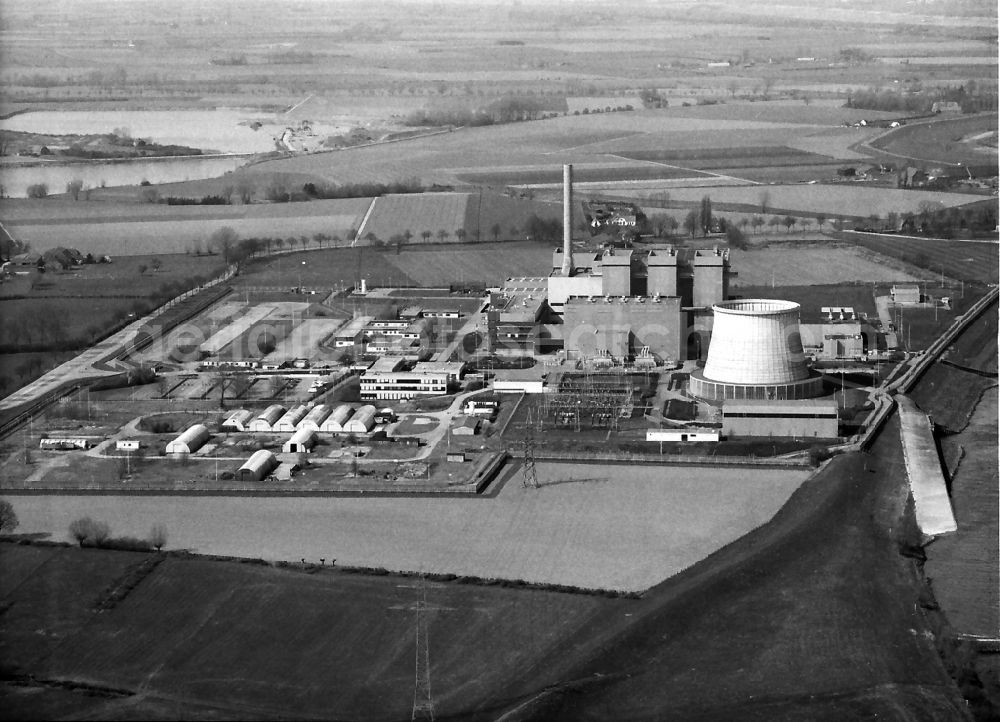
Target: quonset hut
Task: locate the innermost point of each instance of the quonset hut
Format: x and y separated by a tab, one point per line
756	353
258	466
267	417
190	441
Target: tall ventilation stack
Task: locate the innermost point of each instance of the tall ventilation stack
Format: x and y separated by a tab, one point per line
755	353
567	264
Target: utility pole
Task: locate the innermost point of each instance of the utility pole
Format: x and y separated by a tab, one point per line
423	701
529	473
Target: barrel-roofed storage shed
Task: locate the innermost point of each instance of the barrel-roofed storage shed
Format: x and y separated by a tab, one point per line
258	466
315	418
302	440
238	420
190	441
362	422
334	423
290	420
266	418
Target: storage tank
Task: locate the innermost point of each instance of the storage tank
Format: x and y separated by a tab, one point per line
755	353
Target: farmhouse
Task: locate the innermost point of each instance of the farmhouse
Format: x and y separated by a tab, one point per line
190	441
258	466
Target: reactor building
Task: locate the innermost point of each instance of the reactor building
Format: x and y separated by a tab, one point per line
624	304
755	353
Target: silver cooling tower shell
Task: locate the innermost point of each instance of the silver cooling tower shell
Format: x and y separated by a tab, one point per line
756	341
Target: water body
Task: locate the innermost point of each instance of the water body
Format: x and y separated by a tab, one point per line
216	131
222	131
96	174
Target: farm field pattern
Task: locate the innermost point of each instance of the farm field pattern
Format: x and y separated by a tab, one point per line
840	199
814	265
956	259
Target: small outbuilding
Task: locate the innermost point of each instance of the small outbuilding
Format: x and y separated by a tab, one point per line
258	466
190	441
334	423
467	427
315	418
267	418
302	441
65	443
908	293
238	420
127	445
362	422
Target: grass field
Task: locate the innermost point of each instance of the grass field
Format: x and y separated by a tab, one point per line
976	348
964	565
949	395
943	140
955	259
818	264
821	590
130	238
557	534
742	157
584	174
813	298
832	200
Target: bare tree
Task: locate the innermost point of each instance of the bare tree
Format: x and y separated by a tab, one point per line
74	187
158	536
495	230
79	529
86	529
764	198
8	519
442	234
460	234
426	235
156	264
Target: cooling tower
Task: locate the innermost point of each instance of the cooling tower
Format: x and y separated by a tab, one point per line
755	353
567	264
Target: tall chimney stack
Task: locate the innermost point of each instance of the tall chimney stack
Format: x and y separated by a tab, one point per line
567	264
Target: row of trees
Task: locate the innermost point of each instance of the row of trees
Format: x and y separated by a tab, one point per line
969	95
88	532
503	110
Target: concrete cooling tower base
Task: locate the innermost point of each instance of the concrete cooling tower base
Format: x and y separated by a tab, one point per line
723	391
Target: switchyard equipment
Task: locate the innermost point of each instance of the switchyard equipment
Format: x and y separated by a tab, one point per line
590	399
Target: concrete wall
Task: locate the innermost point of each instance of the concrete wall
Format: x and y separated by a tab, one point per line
590	328
785	426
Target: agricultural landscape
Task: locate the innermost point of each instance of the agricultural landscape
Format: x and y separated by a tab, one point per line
293	427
